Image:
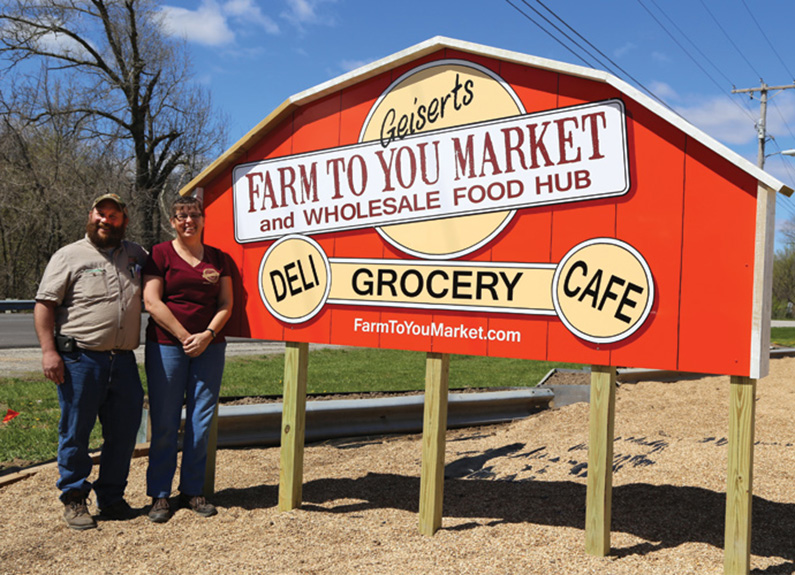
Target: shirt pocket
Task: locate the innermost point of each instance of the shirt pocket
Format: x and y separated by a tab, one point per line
92	283
131	283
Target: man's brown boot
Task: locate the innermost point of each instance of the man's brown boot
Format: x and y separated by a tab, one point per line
76	512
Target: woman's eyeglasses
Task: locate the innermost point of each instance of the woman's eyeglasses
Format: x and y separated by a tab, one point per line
181	217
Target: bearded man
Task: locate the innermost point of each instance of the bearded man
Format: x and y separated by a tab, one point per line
88	320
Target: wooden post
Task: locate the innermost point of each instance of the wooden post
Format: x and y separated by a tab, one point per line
739	489
212	446
434	428
599	496
291	469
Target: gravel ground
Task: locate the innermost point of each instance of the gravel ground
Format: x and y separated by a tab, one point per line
514	500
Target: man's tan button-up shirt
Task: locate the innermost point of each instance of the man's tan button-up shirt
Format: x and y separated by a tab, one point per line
97	294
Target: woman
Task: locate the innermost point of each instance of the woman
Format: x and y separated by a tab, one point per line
188	294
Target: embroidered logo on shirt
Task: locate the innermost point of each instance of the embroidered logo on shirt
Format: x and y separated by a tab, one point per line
211	275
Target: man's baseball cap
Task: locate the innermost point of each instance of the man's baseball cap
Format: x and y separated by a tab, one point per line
113	198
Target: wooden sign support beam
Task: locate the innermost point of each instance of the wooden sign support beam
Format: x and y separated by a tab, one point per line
212	447
433	442
291	468
598	505
739	489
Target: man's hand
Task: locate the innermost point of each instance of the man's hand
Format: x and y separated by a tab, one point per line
44	322
52	365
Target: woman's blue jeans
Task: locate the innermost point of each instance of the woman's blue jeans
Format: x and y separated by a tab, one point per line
173	377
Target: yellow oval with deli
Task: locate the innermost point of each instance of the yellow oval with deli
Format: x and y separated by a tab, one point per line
294	279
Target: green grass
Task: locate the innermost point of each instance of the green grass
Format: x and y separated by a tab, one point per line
784	336
363	370
33	435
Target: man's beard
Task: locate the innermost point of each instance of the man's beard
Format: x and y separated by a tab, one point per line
113	238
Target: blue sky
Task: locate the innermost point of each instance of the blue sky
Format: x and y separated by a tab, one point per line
254	54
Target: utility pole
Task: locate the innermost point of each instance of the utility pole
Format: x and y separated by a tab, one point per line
761	128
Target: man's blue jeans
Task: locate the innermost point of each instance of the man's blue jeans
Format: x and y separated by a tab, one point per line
173	377
105	385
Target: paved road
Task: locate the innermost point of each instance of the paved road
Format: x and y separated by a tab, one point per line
19	347
21	360
16	331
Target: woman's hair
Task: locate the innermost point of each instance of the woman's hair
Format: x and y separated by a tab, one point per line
185	202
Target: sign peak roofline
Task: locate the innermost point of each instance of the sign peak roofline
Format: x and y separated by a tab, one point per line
232	155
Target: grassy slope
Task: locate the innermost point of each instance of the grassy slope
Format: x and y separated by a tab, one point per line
33	435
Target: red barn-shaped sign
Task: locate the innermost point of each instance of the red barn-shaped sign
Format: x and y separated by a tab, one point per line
461	199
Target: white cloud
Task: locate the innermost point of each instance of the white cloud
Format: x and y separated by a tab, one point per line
721	119
50	42
205	25
243	11
300	12
214	23
733	121
664	91
348	65
624	50
781	118
660	57
781	167
61	44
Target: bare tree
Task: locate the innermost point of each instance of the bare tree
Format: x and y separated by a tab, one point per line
47	178
130	88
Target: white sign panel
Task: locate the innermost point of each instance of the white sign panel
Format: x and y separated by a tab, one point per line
564	155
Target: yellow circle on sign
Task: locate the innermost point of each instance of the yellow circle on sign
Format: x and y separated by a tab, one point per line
294	279
445	86
603	290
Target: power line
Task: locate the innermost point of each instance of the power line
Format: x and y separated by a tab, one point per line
548	33
791	75
746	110
782	201
785	205
580	46
761	126
686	37
627	74
689	55
784	120
569	38
703	55
747	61
775	52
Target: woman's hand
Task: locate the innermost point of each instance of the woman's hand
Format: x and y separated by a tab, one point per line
195	344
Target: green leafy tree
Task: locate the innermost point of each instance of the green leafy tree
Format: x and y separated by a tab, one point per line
784	282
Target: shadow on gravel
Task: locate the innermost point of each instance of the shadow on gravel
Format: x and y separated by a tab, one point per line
259	497
665	516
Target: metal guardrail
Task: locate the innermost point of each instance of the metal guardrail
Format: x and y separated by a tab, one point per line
245	425
16	304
